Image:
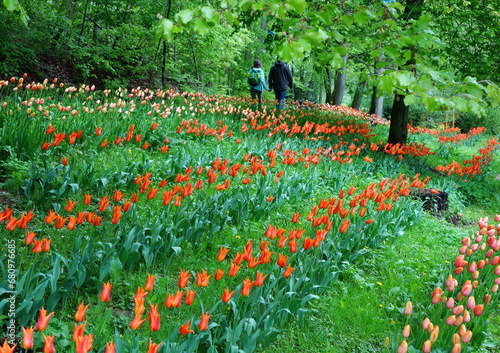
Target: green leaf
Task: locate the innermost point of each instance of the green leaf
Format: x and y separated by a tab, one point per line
361	17
391	52
284	51
347	20
410	99
201	27
474	90
209	14
298	5
184	16
422	22
385	84
164	30
315	36
11	5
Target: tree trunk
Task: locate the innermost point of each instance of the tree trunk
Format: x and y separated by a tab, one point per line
358	95
339	87
377	103
329	83
398	130
164	63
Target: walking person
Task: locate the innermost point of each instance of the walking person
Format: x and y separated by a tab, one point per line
280	79
257	82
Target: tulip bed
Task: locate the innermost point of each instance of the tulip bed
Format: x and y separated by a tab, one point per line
151	220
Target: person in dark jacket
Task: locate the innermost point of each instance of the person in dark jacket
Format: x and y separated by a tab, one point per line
280	79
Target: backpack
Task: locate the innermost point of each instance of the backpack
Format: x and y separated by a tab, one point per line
253	78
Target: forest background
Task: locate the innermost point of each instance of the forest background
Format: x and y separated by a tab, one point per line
441	56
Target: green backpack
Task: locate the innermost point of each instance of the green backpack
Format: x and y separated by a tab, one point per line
253	78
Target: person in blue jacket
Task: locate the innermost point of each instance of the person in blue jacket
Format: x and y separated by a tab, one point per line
280	79
256	91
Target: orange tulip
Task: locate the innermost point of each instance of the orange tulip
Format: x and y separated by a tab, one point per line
70	205
140	294
177	301
189	297
117	214
6	348
403	347
136	322
227	295
202	278
78	330
406	331
218	274
46	244
103	203
478	310
183	278
233	270
83	344
184	329
87	199
154	317
27	337
80	313
110	347
43	320
37	246
408	308
48	344
295	217
106	292
288	271
426	348
203	325
456	348
259	279
12	224
222	253
72	223
247	286
30	236
282	259
153	347
150	282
